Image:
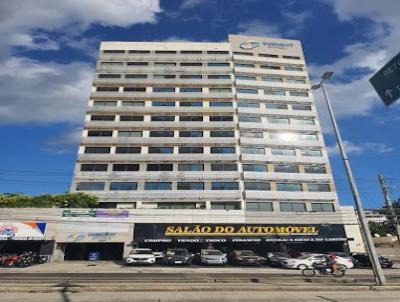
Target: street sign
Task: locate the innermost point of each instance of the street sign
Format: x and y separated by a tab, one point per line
387	81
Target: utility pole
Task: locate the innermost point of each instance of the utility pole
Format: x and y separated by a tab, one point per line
366	234
388	202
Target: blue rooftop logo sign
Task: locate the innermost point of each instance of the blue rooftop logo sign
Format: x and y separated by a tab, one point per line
254	44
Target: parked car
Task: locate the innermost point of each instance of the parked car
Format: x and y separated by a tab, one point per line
306	261
209	257
276	259
177	256
245	257
363	260
140	256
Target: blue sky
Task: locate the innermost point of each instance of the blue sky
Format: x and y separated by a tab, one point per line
48	51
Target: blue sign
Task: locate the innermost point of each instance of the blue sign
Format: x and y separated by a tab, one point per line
253	44
387	81
94	256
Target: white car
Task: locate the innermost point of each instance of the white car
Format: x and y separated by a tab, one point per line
140	256
306	261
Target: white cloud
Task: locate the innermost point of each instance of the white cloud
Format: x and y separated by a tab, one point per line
66	142
188	4
296	21
359	149
258	28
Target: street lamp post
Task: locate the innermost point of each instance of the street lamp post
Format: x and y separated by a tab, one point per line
379	276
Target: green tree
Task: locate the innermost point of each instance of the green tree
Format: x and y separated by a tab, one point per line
379	228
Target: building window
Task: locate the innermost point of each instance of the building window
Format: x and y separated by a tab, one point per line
191	104
218	90
274	92
222	133
291	187
133	103
281	151
244	65
111	63
131	118
191	76
190	149
225	206
223	150
223	167
286	168
247	90
165	64
190	133
113	51
163	89
134	89
259	206
125	167
191	167
267	55
271	66
278	120
165	52
219	76
255	168
224	186
102	117
162	150
218	52
191	64
161	133
291	57
293	68
139	51
158	186
251	134
163	104
252	150
311	152
322	207
303	122
220	104
278	106
162	118
218	64
164	76
129	133
275	79
242	53
104	103
127	150
93	167
256	186
190	186
221	118
308	137
123	186
107	89
195	118
90	186
137	63
109	76
315	169
298	93
296	80
160	167
246	78
99	133
191	52
92	150
248	104
135	76
176	205
319	187
301	107
249	119
292	207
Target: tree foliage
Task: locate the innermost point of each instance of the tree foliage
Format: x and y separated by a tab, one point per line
64	200
379	228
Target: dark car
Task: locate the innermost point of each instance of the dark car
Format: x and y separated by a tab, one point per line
276	258
177	257
362	260
245	257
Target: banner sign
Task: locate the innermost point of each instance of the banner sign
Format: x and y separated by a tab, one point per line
238	232
26	230
79	213
112	213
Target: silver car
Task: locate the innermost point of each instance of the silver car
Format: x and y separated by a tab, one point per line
210	257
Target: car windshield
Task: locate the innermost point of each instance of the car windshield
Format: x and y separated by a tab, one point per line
213	253
177	252
142	252
246	253
304	257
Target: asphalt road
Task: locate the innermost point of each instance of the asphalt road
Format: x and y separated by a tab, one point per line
245	296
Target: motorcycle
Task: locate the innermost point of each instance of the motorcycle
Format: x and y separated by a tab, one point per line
323	270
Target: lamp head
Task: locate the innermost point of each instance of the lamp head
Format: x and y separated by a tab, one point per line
327	75
316	86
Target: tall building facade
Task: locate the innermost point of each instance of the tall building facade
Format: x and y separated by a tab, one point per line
204	126
198	128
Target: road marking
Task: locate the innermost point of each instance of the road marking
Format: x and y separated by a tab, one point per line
327	299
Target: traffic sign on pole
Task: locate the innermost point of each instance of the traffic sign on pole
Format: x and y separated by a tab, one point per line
387	81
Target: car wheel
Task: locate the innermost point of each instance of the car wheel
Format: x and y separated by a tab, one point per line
302	266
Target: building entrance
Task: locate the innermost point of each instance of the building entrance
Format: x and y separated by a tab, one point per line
106	251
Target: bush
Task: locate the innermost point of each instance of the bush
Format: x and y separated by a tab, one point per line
64	200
